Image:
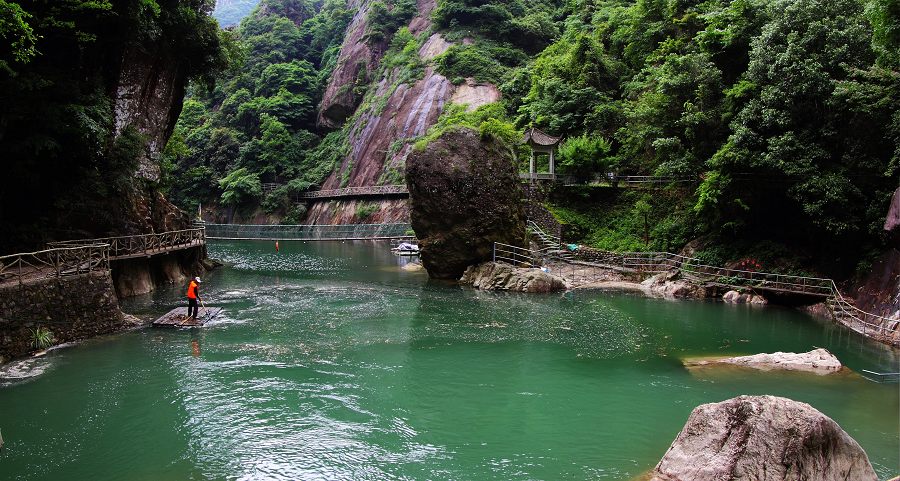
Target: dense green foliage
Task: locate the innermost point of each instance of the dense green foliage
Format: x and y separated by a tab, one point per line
784	115
59	65
785	111
260	119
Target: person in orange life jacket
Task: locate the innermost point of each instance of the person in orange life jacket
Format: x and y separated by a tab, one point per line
193	295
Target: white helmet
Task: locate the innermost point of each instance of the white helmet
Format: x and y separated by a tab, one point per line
197	280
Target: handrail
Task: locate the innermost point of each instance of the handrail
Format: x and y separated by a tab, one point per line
515	255
146	244
608	177
55	262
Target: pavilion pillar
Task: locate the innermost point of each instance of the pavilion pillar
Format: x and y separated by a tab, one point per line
531	164
552	162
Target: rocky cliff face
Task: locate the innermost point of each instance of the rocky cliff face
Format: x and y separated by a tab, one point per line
892	222
148	98
879	292
356	63
465	195
763	438
407	111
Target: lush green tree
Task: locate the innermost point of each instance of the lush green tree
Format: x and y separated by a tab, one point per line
18	38
799	127
584	156
240	187
261	115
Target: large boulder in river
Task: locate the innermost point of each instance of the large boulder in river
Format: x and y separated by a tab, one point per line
819	361
762	438
495	276
465	195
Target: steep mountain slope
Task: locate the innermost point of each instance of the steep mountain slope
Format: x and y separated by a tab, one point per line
403	101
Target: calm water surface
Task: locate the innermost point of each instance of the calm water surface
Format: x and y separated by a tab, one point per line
331	362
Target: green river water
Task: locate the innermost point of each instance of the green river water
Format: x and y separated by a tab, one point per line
331	362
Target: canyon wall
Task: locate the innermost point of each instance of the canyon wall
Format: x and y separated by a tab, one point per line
381	133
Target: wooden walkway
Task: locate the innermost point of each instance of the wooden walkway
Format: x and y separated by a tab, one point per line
143	245
81	256
399	191
28	267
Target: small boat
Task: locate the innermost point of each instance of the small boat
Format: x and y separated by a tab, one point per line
406	249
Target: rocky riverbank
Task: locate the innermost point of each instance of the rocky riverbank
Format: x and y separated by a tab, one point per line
495	276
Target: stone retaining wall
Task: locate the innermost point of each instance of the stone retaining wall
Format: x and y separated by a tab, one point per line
73	308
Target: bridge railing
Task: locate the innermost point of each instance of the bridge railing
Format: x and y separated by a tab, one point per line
55	262
355	191
307	232
143	244
870	324
610	177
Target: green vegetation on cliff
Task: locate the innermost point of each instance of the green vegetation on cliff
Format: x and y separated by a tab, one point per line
260	119
784	111
69	141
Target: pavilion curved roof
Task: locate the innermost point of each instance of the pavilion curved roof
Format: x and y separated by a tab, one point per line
537	137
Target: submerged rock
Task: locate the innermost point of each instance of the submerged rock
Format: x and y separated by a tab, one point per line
412	267
819	361
735	297
762	438
495	276
465	195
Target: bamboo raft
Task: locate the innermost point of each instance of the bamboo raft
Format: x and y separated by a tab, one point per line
178	317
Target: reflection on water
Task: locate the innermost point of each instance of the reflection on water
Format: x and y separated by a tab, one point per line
331	361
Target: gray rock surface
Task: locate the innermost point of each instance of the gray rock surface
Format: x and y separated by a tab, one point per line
892	222
672	285
762	438
735	297
819	361
495	276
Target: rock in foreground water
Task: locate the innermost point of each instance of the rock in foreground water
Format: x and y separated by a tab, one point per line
762	438
495	276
